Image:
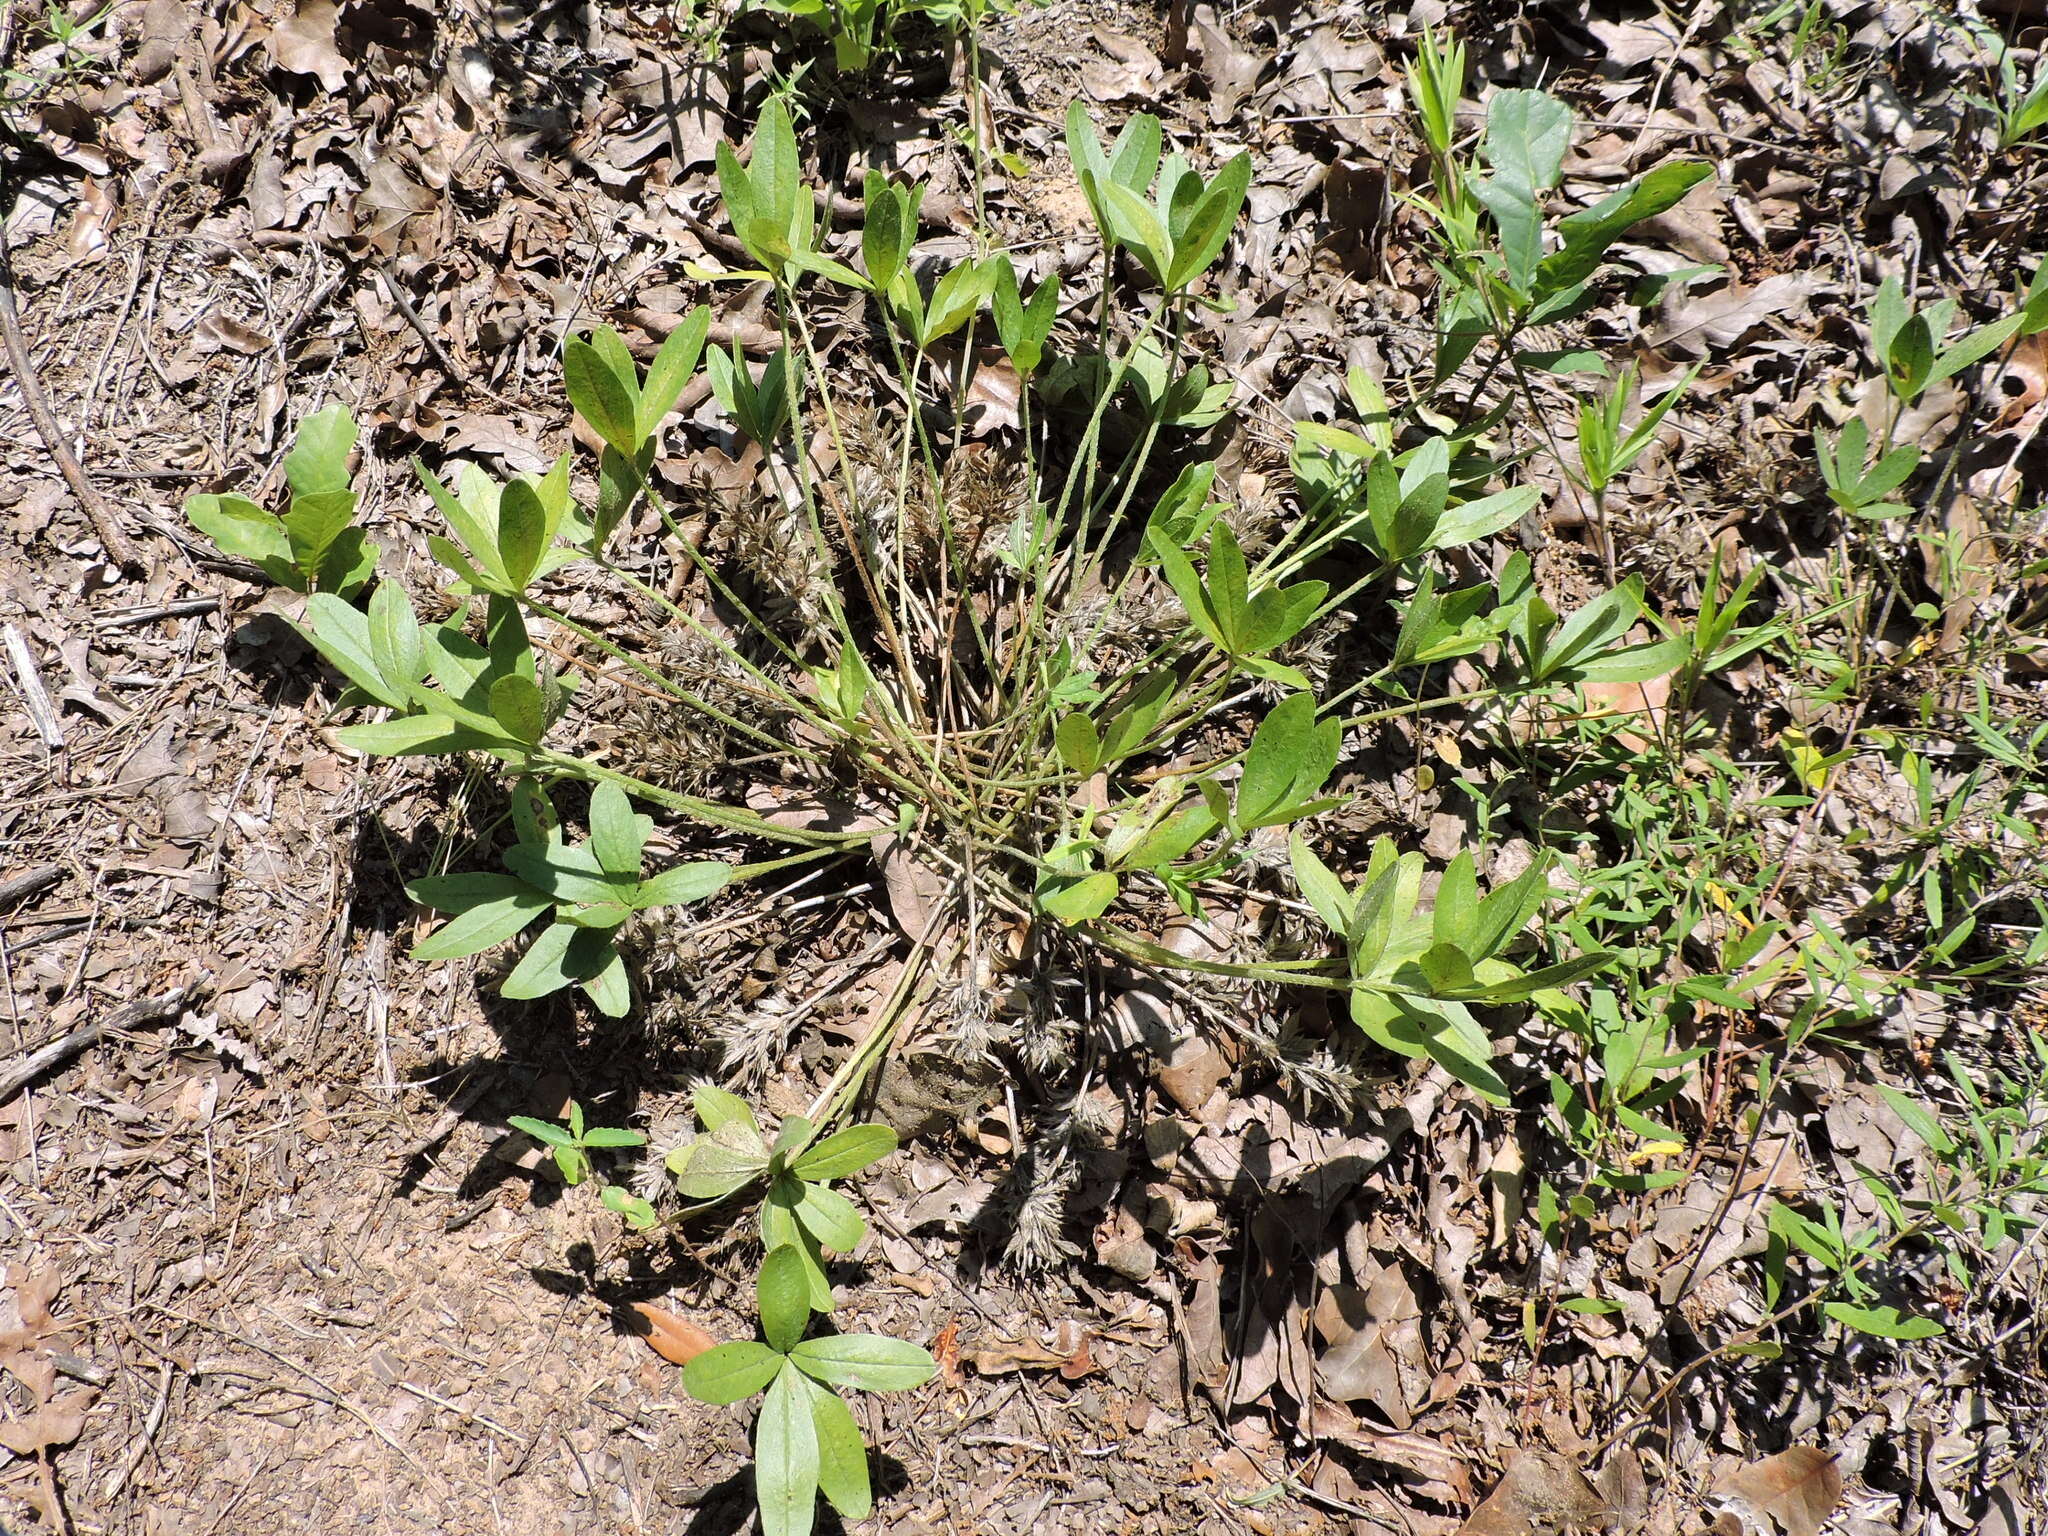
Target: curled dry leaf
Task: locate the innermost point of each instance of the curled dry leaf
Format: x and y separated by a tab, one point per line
673	1338
1794	1492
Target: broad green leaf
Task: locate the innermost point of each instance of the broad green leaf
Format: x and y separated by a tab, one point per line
845	1152
1080	747
617	834
1589	233
726	1373
476	534
1506	910
414	736
785	1459
831	1218
568	874
610	404
341	634
671	371
1077	899
773	168
711	1167
543	1131
865	1360
395	641
488	908
1444	1031
954	300
684	884
842	1454
1290	757
886	233
522	532
1883	1322
1975	347
612	1136
1319	885
1456	917
610	988
1132	726
239	527
1481	519
783	1293
314	522
736	189
1134	158
1194	597
1209	225
718	1108
1137	228
562	954
1446	967
1227	586
517	706
318	461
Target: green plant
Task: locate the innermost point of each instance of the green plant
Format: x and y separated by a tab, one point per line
315	544
799	1211
587	889
805	1439
2016	105
571	1147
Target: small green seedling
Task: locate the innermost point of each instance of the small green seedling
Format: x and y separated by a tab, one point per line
1911	347
1243	624
315	544
1175	237
805	1439
1857	486
572	1146
589	888
799	1211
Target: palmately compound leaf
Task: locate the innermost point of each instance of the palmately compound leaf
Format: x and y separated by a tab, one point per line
870	1361
726	1373
786	1459
845	1152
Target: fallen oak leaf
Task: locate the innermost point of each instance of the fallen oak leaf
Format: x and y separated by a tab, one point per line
675	1339
1797	1489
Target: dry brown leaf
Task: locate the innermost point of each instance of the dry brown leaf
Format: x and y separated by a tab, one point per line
1712	322
2022	384
304	45
675	1339
58	1424
1540	1491
1797	1489
1068	1354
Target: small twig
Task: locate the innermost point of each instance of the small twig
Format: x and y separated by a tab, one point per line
34	696
143	1442
439	353
177	610
18	888
143	1011
121	549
